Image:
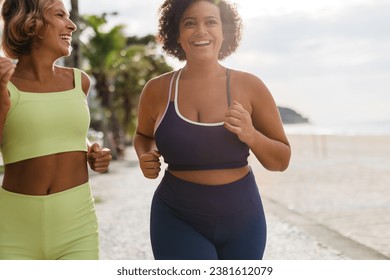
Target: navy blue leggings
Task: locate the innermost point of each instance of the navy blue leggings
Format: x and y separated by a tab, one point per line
196	222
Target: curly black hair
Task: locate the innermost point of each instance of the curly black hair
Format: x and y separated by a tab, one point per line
171	12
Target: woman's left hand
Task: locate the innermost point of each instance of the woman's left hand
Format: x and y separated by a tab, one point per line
239	121
99	158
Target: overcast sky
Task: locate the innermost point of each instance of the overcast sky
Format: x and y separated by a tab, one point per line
328	59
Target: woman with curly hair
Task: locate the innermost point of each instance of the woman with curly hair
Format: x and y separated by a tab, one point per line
204	120
46	206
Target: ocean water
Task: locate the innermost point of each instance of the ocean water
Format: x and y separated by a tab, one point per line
357	128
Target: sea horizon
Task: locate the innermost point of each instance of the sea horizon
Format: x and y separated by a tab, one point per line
369	128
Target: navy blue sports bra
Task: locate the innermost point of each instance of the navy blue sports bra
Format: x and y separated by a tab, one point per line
189	145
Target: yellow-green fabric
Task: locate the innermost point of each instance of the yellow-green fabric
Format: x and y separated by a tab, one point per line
48	227
40	124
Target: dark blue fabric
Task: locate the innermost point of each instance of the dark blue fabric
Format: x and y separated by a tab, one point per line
188	146
192	221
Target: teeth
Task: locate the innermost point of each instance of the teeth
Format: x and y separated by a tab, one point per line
65	37
202	42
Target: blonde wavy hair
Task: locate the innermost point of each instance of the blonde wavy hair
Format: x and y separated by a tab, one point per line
23	22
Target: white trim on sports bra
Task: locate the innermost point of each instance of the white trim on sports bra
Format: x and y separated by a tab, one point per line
177	107
166	107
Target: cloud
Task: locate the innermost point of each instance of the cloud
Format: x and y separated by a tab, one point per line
140	17
323	62
361	30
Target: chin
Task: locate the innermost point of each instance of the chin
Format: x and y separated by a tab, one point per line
68	52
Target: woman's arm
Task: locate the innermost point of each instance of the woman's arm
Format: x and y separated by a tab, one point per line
144	143
256	121
7	69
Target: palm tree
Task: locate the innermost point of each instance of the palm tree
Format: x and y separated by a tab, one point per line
137	64
120	67
101	51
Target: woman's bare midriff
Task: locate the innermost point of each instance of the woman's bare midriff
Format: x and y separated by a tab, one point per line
47	174
212	177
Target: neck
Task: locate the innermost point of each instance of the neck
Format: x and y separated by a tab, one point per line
201	70
28	67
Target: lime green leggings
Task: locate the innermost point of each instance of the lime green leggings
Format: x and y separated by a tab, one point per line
56	226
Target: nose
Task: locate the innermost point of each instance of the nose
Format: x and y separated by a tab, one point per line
71	25
201	29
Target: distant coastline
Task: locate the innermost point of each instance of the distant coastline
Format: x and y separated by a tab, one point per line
350	129
289	116
295	123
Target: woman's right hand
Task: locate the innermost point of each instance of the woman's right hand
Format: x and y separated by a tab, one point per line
150	164
7	69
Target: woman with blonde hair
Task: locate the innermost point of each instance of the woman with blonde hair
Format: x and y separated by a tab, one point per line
46	206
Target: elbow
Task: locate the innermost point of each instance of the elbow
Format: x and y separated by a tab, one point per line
278	166
283	167
284	161
280	163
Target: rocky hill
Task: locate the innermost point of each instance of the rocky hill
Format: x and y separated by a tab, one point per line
289	116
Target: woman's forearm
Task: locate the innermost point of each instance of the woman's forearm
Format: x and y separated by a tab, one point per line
274	155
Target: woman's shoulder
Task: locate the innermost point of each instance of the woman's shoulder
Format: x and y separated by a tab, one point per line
159	85
248	81
72	74
64	70
161	79
244	76
70	71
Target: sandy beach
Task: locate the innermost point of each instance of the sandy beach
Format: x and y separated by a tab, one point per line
341	182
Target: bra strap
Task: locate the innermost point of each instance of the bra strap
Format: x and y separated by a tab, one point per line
229	99
77	78
171	85
14	95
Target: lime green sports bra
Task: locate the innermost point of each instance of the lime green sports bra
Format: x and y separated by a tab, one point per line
40	124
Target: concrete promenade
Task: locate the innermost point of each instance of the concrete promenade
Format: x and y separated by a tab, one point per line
123	199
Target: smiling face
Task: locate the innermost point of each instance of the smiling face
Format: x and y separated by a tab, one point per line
200	31
57	35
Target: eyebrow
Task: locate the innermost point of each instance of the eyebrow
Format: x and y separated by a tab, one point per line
59	10
207	17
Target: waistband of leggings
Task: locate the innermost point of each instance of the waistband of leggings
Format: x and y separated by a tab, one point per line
209	200
83	188
172	178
